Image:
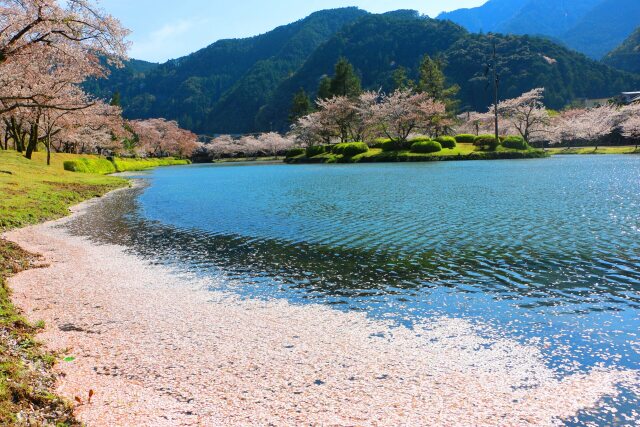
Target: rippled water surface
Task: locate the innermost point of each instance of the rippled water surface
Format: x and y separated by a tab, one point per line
545	250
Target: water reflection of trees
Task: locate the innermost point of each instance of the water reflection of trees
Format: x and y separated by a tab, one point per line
312	271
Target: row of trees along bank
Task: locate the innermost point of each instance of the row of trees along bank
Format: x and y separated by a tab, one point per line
48	49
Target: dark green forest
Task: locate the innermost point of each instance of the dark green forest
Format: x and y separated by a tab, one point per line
248	85
626	56
225	83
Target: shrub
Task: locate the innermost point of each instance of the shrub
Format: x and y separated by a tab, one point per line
137	164
295	152
465	138
515	143
378	142
418	139
447	142
488	141
315	150
426	147
391	145
84	165
350	149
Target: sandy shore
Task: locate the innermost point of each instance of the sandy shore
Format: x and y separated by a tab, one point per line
159	350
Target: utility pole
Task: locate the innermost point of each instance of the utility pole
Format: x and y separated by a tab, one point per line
495	76
496	85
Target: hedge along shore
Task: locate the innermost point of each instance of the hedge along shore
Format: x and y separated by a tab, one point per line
160	348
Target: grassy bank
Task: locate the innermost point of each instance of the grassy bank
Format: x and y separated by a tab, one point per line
460	152
248	159
103	166
127	165
31	192
626	149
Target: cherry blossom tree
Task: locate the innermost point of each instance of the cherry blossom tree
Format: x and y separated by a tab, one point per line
314	129
248	145
338	113
595	123
563	128
46	45
474	123
364	127
274	143
77	29
160	138
47	49
221	146
526	114
403	111
631	123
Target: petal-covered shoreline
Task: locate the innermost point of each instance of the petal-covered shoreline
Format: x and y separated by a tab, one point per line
158	349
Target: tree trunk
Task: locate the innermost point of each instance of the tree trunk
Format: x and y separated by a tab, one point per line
48	144
33	141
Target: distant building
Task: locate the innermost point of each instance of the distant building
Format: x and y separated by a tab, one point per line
630	97
593	103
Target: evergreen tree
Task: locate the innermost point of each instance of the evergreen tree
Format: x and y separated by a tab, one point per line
345	82
115	100
324	90
300	106
401	79
433	82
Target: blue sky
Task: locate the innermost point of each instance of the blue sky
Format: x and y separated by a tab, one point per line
164	29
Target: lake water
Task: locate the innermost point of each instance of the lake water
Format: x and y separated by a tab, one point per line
545	251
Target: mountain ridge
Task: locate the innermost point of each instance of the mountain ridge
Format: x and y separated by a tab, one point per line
246	85
593	27
627	55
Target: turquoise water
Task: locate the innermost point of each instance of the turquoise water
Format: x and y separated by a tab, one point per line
536	248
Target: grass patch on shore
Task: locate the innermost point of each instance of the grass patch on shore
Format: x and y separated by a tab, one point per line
26	381
460	152
248	159
32	192
130	165
104	166
625	149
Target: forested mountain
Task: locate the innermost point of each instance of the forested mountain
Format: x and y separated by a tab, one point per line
627	55
489	17
233	76
378	44
592	27
247	85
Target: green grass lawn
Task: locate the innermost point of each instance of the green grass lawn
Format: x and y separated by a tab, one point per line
32	192
627	149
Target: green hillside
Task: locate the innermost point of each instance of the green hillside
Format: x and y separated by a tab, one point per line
627	55
247	85
378	44
233	72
